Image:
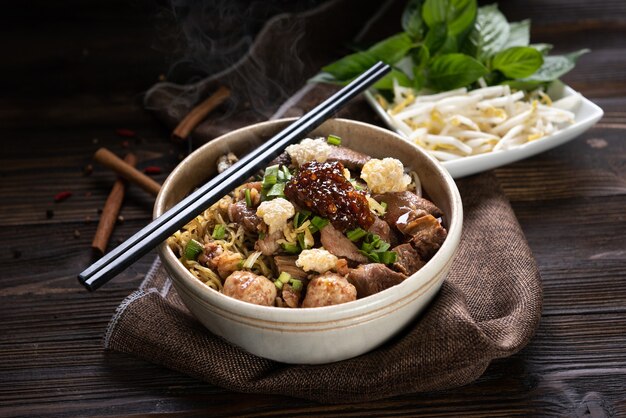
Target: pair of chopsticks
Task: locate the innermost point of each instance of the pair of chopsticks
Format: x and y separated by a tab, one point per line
165	225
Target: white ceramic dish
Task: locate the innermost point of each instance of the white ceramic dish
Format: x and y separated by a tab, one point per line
315	335
587	114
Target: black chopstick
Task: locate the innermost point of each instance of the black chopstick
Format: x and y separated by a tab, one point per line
165	225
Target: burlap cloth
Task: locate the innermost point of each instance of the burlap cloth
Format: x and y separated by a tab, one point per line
488	307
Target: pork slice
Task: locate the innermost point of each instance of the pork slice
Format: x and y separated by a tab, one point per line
269	244
382	229
373	278
400	203
282	159
408	261
291	297
427	235
350	159
336	243
287	263
245	216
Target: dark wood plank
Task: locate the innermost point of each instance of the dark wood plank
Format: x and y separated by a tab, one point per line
77	73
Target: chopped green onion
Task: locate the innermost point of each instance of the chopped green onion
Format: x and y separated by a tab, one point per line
240	264
371	256
193	249
301	218
333	140
317	223
286	173
356	234
272	170
290	248
383	246
261	235
278	284
219	231
387	257
285	277
296	220
384	205
248	198
277	190
296	284
269	180
301	241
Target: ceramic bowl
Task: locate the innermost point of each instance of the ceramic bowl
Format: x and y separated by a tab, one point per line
325	334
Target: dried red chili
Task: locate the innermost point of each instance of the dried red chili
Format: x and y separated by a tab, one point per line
61	196
125	133
152	169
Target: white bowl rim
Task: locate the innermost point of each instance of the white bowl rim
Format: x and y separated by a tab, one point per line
344	311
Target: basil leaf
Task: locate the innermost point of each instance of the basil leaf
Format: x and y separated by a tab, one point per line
412	21
350	66
458	15
449	46
556	66
452	71
392	49
435	38
518	61
420	56
462	16
519	34
490	33
386	83
434	12
419	78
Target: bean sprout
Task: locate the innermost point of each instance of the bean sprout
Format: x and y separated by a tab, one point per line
458	123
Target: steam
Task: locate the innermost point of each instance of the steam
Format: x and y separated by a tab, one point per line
221	48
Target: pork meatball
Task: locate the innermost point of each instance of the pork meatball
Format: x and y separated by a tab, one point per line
328	289
250	287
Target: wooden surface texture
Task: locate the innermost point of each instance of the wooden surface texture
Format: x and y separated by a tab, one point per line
74	73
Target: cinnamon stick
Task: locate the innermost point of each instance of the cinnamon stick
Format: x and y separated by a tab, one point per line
199	112
127	171
111	210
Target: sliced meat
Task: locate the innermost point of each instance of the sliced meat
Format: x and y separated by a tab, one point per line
427	235
351	159
245	216
282	159
291	297
400	203
336	243
269	244
250	287
408	260
373	278
382	229
287	263
328	289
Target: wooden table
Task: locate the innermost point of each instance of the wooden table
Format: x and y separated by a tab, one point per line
74	73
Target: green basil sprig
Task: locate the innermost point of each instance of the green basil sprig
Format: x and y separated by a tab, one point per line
447	44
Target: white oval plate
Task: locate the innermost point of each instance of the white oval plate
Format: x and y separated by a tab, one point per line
587	114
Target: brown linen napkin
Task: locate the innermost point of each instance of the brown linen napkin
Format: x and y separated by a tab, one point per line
489	307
